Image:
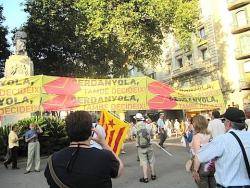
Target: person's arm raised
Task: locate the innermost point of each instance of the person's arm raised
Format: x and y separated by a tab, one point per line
100	140
39	128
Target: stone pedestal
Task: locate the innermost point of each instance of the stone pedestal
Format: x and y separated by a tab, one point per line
18	66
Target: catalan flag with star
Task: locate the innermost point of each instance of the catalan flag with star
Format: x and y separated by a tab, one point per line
116	130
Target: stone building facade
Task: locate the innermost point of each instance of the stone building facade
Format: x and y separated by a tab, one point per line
220	50
240	11
217	47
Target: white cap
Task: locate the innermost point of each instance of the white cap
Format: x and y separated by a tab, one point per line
139	116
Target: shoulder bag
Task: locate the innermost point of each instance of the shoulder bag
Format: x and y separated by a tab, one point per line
58	182
243	152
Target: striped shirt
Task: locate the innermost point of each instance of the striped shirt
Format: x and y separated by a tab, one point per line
230	165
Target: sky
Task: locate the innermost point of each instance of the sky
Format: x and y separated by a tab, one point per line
14	15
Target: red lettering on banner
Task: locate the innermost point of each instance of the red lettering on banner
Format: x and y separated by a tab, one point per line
18	109
8	110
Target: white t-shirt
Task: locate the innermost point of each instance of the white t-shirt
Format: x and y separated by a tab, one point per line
216	127
167	125
100	130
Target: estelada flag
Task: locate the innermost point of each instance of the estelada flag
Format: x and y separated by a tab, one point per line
115	129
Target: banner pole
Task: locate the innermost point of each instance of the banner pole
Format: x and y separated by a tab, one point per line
163	149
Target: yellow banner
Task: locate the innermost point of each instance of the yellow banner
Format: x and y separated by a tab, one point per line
115	129
96	94
20	95
48	93
206	96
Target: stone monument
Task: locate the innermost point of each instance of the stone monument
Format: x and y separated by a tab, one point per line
19	64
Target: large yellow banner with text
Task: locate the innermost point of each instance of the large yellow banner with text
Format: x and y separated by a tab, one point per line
48	93
95	94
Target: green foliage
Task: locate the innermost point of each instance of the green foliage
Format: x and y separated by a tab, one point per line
54	127
99	38
23	125
4	51
139	25
53	132
52	139
184	24
57	48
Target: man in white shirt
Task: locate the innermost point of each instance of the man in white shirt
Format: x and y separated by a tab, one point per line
231	169
215	126
99	129
162	132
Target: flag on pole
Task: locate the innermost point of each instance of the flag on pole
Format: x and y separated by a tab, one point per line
115	129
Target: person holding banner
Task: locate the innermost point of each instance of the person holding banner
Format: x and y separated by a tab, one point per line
80	165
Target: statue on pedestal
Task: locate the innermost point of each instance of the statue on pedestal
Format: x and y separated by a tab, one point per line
19	64
20	43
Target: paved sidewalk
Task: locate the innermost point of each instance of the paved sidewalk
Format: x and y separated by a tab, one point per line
170	171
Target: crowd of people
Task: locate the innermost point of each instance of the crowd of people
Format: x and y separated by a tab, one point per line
219	150
163	128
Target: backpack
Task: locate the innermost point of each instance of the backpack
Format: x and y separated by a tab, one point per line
143	137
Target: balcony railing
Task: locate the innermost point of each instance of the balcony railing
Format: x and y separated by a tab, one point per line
234	4
187	69
244	85
236	29
242	53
